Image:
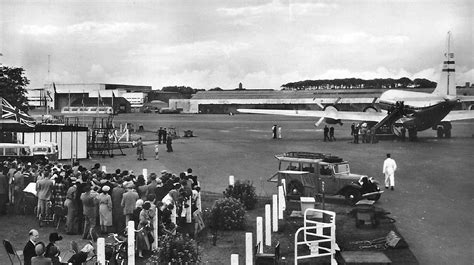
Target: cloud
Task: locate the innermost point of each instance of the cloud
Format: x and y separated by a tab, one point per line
88	31
358	38
205	54
36	30
276	8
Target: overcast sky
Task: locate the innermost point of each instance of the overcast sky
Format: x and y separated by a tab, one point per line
219	43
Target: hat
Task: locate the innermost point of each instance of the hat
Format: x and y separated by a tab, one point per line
87	248
39	249
53	237
139	203
105	188
164	171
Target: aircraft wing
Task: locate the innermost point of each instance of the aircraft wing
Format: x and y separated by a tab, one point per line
330	114
457	115
465	98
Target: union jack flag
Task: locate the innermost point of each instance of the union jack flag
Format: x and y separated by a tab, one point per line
9	112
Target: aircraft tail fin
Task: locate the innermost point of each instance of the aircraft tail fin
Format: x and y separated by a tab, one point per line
447	84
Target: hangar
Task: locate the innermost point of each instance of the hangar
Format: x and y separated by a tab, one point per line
57	95
228	101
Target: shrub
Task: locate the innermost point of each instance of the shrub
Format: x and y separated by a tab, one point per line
226	214
244	191
177	249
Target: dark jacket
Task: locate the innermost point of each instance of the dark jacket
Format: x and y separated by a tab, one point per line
28	252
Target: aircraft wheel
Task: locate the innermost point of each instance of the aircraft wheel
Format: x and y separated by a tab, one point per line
447	133
440	132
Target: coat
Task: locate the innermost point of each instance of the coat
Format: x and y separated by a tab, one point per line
128	201
44	189
28	252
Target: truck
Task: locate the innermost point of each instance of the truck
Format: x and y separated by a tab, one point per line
306	174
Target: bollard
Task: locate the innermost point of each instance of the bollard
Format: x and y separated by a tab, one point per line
275	212
145	174
234	259
281	200
231	180
248	249
131	242
283	183
268	225
101	250
155	230
104	169
260	234
189	215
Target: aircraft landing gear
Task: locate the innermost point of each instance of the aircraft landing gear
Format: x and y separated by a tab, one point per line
443	130
412	134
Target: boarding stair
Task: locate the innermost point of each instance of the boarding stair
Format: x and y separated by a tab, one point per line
393	115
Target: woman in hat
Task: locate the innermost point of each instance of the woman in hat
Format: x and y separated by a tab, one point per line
105	209
52	251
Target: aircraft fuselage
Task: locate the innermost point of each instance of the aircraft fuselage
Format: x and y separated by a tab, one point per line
422	110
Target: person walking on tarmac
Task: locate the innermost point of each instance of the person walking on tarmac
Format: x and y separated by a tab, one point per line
169	141
326	132
140	154
356	134
389	168
331	134
274	131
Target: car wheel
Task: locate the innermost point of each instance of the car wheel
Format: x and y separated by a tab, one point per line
352	196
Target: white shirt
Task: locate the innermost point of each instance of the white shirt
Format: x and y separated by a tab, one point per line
389	166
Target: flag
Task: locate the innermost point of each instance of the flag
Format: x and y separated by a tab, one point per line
8	111
82	102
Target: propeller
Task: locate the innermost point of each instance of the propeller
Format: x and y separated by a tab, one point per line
319	121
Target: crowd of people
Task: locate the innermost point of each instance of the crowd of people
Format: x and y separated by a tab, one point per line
97	202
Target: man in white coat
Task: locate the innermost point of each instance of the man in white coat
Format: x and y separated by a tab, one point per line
389	167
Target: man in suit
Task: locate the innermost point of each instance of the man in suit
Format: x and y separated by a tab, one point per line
44	190
129	199
3	192
29	250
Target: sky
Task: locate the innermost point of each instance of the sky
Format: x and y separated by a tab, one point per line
220	43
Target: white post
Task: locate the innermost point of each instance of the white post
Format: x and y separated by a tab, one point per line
104	169
248	249
281	201
234	259
101	250
131	242
173	214
231	180
283	183
260	233
155	229
275	212
145	174
189	215
198	202
268	225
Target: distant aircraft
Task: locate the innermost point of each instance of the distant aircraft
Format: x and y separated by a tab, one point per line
415	111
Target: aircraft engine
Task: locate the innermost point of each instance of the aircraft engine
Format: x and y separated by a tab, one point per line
397	129
332	108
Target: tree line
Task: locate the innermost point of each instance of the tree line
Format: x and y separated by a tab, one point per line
357	83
